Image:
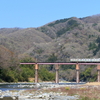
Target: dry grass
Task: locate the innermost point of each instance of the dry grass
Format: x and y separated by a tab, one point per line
85	92
93	83
90	93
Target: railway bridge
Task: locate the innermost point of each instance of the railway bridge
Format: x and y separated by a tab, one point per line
76	62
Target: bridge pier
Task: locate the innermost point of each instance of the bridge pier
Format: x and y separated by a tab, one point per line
98	76
57	74
77	73
36	73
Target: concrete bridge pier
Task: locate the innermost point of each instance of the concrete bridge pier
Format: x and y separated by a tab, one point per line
77	73
57	74
98	76
36	73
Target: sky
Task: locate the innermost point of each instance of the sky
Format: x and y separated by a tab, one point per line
35	13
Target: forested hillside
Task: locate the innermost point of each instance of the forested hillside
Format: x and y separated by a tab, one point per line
57	41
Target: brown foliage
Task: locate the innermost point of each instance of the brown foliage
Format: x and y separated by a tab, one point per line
7	58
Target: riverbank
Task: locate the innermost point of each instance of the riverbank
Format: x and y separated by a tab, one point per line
40	92
54	92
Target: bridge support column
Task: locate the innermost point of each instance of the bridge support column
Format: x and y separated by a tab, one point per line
77	73
57	74
36	73
98	69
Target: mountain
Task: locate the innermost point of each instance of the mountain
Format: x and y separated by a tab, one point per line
22	39
72	38
57	41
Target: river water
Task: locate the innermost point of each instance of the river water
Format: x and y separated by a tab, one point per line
16	86
25	86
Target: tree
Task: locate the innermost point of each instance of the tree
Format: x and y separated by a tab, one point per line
52	58
9	65
98	40
87	76
7	58
45	75
98	46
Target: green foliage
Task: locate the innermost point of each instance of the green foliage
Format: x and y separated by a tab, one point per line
1	80
94	24
71	24
96	50
98	46
11	76
91	36
67	88
86	98
8	75
15	76
52	58
98	40
27	59
39	51
58	21
66	67
86	75
62	31
87	72
82	88
45	75
76	34
25	72
92	46
21	74
43	29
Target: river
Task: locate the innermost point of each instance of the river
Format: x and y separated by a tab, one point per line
24	86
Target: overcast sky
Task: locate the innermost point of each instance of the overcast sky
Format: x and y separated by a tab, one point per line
35	13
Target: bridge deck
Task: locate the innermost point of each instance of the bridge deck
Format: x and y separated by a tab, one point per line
65	63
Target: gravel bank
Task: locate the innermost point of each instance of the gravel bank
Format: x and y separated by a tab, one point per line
38	94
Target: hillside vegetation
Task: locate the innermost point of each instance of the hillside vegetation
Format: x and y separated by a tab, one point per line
57	41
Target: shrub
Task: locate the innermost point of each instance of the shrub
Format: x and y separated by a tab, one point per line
67	88
45	75
82	88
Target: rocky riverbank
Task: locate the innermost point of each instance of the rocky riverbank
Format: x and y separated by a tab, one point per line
23	95
37	93
46	92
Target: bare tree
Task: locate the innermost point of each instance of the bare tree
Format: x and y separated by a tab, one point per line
7	58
